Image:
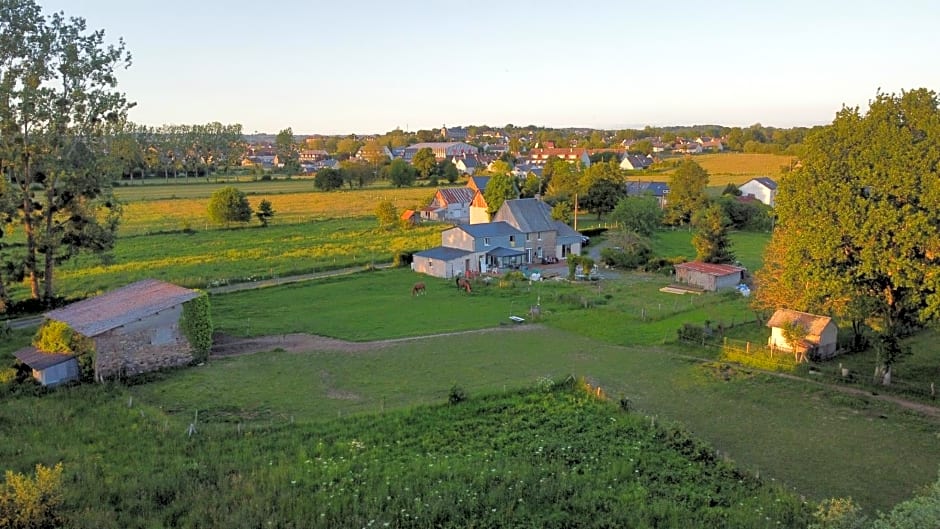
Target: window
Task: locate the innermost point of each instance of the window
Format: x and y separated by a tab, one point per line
512	240
528	236
538	252
540	236
486	241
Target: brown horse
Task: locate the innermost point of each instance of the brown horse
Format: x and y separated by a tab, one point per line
463	284
419	288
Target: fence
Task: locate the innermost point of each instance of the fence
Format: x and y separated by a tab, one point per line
757	355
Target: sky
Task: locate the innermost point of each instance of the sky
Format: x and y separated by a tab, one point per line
367	66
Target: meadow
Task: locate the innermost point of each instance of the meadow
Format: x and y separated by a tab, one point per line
551	456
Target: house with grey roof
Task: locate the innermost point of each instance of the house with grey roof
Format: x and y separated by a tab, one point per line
135	329
452	204
634	162
657	190
762	188
522	232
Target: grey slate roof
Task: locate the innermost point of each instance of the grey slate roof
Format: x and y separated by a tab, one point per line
443	253
656	189
489	229
480	182
133	302
767	182
566	234
39	360
530	214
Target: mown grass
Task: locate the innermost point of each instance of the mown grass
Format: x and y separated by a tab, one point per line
533	459
748	247
204	258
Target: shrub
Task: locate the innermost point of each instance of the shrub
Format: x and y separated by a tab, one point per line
32	502
196	325
689	332
228	205
456	395
403	258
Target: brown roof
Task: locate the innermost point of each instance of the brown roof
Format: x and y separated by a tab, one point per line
813	323
39	360
456	195
94	316
711	269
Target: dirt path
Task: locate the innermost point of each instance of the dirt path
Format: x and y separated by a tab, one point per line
224	345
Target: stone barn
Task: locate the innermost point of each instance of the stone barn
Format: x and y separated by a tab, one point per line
49	369
821	333
135	329
708	276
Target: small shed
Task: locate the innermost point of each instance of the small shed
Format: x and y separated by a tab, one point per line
50	369
446	262
709	276
821	333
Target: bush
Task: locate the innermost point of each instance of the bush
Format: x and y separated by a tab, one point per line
196	325
403	258
456	395
27	502
689	332
228	205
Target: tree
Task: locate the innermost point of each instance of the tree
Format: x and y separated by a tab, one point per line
686	192
424	162
448	171
400	173
58	105
644	147
265	212
228	205
500	188
328	179
641	215
563	210
603	195
386	214
711	236
869	251
287	151
532	186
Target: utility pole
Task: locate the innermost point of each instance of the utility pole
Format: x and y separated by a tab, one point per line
575	212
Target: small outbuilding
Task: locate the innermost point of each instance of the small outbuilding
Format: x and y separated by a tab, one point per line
49	369
709	276
446	262
821	333
135	329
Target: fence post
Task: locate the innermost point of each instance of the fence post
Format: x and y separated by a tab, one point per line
933	391
747	347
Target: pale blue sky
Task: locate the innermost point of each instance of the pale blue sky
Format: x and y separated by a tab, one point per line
367	66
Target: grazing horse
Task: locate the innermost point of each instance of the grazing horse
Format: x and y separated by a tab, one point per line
463	284
419	288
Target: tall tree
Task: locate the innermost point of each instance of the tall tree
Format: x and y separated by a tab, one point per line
858	234
638	214
400	173
228	205
711	236
287	151
58	104
424	162
603	195
500	188
686	192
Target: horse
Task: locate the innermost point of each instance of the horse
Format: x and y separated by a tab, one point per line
419	288
464	285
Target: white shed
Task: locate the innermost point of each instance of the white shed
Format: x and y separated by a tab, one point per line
821	335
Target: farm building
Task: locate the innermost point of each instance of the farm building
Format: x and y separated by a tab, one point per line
709	276
821	333
135	329
446	262
49	369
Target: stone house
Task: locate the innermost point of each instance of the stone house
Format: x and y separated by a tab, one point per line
135	329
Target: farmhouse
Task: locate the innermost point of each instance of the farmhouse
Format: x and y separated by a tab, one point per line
135	329
709	276
48	368
820	338
452	204
762	188
522	233
658	190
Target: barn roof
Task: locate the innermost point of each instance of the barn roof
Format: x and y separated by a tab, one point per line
99	314
456	195
711	269
39	360
813	323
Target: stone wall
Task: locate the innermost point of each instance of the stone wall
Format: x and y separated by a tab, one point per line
149	344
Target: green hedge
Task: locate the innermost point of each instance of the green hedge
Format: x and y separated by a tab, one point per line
196	324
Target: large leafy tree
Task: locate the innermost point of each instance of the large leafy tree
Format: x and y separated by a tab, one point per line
638	214
500	188
686	192
228	205
424	162
711	236
858	234
400	173
58	107
287	151
603	195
